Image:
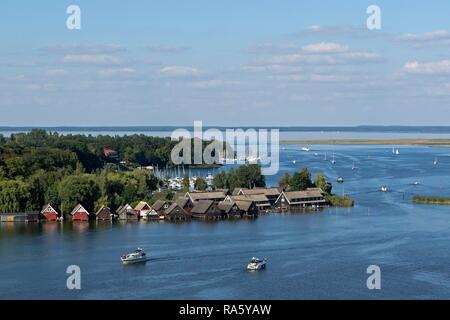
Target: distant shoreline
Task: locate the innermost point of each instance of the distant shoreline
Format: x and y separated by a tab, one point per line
427	142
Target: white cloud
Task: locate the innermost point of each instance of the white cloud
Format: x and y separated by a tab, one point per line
433	38
180	71
428	68
84	48
92	59
325	47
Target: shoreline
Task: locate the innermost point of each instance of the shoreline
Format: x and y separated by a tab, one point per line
423	142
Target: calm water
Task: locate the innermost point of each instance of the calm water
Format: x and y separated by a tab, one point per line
322	255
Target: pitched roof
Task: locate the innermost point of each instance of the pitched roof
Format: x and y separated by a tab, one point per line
48	206
195	196
79	207
141	205
265	191
158	204
182	201
126	209
202	206
103	208
254	197
291	196
172	207
244	205
225	206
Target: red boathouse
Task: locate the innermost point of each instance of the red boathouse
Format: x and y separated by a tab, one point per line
49	213
79	213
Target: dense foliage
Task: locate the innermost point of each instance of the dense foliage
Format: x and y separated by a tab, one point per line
39	167
245	176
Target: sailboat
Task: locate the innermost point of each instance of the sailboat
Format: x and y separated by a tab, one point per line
325	158
333	161
435	162
397	152
353	166
393	150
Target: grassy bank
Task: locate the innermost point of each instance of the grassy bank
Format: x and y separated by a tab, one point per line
340	201
431	200
426	142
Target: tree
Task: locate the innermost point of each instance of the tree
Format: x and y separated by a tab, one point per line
300	180
14	196
186	184
200	184
322	183
76	189
284	181
220	180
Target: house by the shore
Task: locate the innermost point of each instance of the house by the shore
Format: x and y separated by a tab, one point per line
297	200
79	213
49	213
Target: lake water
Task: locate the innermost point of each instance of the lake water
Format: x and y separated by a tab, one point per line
321	255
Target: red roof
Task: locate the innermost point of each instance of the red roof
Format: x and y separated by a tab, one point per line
108	151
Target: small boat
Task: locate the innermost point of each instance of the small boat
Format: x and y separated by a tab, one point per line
294	161
435	162
340	180
397	152
416	183
334	160
384	189
257	264
136	256
354	167
316	154
306	149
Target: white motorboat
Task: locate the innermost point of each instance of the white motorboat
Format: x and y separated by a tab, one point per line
257	264
136	256
306	149
384	189
334	160
294	161
435	162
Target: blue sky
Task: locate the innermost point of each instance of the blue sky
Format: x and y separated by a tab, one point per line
224	62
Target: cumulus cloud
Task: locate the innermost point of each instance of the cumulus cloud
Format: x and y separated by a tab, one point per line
433	38
428	68
84	48
180	71
325	47
92	59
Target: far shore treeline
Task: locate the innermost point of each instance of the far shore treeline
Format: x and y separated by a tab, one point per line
38	167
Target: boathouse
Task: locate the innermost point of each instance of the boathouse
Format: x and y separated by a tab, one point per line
20	217
215	196
176	212
260	200
185	203
272	194
294	200
206	209
104	214
142	209
49	213
161	205
127	212
79	213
